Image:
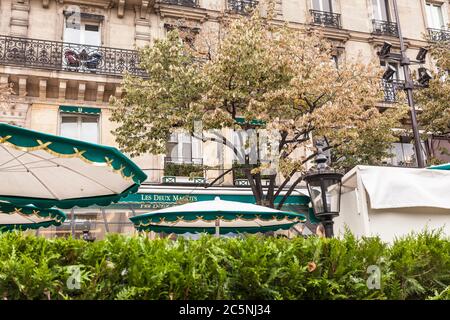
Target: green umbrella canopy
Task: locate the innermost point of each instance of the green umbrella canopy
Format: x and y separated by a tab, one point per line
202	216
445	166
47	170
17	217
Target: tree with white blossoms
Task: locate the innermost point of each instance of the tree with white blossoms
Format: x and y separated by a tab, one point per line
282	77
434	100
5	95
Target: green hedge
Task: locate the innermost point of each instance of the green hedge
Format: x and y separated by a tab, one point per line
414	267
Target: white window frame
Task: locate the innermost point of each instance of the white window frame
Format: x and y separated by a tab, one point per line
379	14
79	116
82	32
431	18
399	75
321	5
180	139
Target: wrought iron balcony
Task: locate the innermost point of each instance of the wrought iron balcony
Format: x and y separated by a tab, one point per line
242	6
181	161
439	34
390	90
385	28
184	3
327	19
56	55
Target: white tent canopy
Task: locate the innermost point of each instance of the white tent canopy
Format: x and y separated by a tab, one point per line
391	202
391	187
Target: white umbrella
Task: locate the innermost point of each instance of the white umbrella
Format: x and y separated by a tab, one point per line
47	170
216	216
16	217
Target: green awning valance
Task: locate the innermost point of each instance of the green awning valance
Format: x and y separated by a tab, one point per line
81	110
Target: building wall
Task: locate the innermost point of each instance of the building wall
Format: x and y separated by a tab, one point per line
140	22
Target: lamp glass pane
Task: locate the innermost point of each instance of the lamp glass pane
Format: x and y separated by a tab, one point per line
315	193
325	194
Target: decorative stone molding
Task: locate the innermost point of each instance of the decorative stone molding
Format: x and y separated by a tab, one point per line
118	92
144	9
45	3
4	79
100	92
22	86
194	14
86	11
335	35
193	26
121	8
81	90
142	34
377	43
42	89
279	9
20	17
105	4
62	90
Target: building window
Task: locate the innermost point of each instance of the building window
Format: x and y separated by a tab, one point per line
81	127
398	76
85	31
403	153
182	148
434	16
335	61
187	34
381	10
322	5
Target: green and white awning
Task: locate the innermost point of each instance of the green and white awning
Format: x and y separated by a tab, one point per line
216	216
16	217
46	170
79	110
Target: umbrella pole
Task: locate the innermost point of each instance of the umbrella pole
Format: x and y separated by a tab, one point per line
217	228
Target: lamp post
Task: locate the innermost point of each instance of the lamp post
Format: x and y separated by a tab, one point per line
409	86
324	187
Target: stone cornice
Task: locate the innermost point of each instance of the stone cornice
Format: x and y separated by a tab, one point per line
181	12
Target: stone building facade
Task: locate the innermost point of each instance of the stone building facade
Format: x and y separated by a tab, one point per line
63	75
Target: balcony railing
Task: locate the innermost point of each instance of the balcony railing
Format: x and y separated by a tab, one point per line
390	90
185	3
439	34
327	19
180	160
63	56
241	6
385	28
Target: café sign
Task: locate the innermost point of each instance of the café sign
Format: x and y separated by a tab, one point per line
159	201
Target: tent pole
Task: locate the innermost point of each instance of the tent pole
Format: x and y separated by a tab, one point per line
217	228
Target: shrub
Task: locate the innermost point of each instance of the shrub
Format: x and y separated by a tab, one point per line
413	267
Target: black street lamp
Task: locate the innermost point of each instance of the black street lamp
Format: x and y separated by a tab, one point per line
324	187
424	77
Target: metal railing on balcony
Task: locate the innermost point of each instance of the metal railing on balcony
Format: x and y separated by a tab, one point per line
385	28
185	3
176	168
327	19
63	56
439	34
181	160
390	89
242	6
